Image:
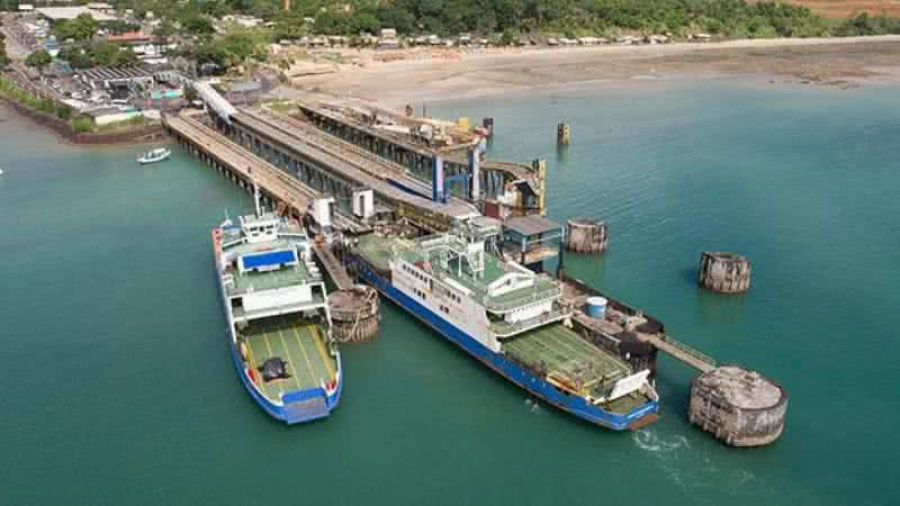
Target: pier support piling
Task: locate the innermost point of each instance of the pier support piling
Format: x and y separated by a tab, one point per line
738	407
488	125
354	314
586	236
724	272
563	134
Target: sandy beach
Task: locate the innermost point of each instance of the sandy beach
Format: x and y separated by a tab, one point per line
432	76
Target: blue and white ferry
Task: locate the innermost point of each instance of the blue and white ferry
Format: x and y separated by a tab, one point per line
279	326
508	317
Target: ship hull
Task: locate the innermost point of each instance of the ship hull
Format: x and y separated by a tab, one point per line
506	368
299	406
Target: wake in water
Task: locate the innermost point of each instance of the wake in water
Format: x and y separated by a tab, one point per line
692	468
533	406
649	440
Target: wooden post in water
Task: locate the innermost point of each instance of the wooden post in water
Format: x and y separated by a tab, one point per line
563	134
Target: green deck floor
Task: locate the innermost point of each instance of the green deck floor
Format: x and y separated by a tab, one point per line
301	346
558	348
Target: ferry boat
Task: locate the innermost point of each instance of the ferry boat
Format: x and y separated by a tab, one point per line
154	155
508	317
279	325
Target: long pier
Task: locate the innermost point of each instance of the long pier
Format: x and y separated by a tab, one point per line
370	162
324	164
242	164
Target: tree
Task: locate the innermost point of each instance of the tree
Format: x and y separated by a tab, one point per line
39	59
190	94
81	28
164	29
119	27
76	56
198	25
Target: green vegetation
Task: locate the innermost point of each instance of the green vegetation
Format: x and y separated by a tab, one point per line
863	24
10	91
504	21
512	18
119	27
235	47
190	94
4	58
81	28
39	59
97	54
136	121
82	124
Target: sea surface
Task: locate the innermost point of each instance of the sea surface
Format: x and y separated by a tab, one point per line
117	385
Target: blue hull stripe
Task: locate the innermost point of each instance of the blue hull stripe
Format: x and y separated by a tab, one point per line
511	371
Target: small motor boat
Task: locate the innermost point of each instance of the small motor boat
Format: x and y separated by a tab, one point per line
154	155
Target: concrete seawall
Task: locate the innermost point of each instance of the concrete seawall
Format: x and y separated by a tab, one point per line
64	130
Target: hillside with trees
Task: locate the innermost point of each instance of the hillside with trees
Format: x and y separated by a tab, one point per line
731	18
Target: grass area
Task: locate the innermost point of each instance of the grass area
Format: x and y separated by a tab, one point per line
136	121
282	105
11	91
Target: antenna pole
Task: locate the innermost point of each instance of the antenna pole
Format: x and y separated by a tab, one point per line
256	199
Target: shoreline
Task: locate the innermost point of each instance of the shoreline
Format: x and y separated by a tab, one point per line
843	63
62	131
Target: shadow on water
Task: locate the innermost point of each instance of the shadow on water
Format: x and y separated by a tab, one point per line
562	152
715	308
720	308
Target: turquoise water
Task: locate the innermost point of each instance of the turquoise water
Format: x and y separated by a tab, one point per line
118	387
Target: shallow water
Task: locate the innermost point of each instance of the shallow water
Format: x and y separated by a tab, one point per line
119	387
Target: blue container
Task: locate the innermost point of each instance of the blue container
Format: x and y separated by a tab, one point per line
595	307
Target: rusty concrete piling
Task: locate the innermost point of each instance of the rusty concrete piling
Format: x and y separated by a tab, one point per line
488	125
563	134
738	406
724	272
586	236
354	314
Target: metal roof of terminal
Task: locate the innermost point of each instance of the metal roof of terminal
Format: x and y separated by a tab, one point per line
531	225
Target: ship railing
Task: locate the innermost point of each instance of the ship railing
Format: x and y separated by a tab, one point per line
503	329
499	306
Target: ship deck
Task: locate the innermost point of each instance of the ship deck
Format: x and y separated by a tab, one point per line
378	251
299	344
558	351
252	281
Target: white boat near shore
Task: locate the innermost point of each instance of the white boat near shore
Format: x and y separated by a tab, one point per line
154	155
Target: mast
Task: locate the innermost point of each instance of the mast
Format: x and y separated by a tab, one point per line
256	205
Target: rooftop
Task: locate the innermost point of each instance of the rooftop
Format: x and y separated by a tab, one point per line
531	225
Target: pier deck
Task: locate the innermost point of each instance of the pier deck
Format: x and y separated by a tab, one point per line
334	267
276	183
358	170
375	165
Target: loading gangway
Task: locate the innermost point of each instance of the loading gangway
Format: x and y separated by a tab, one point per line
214	100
